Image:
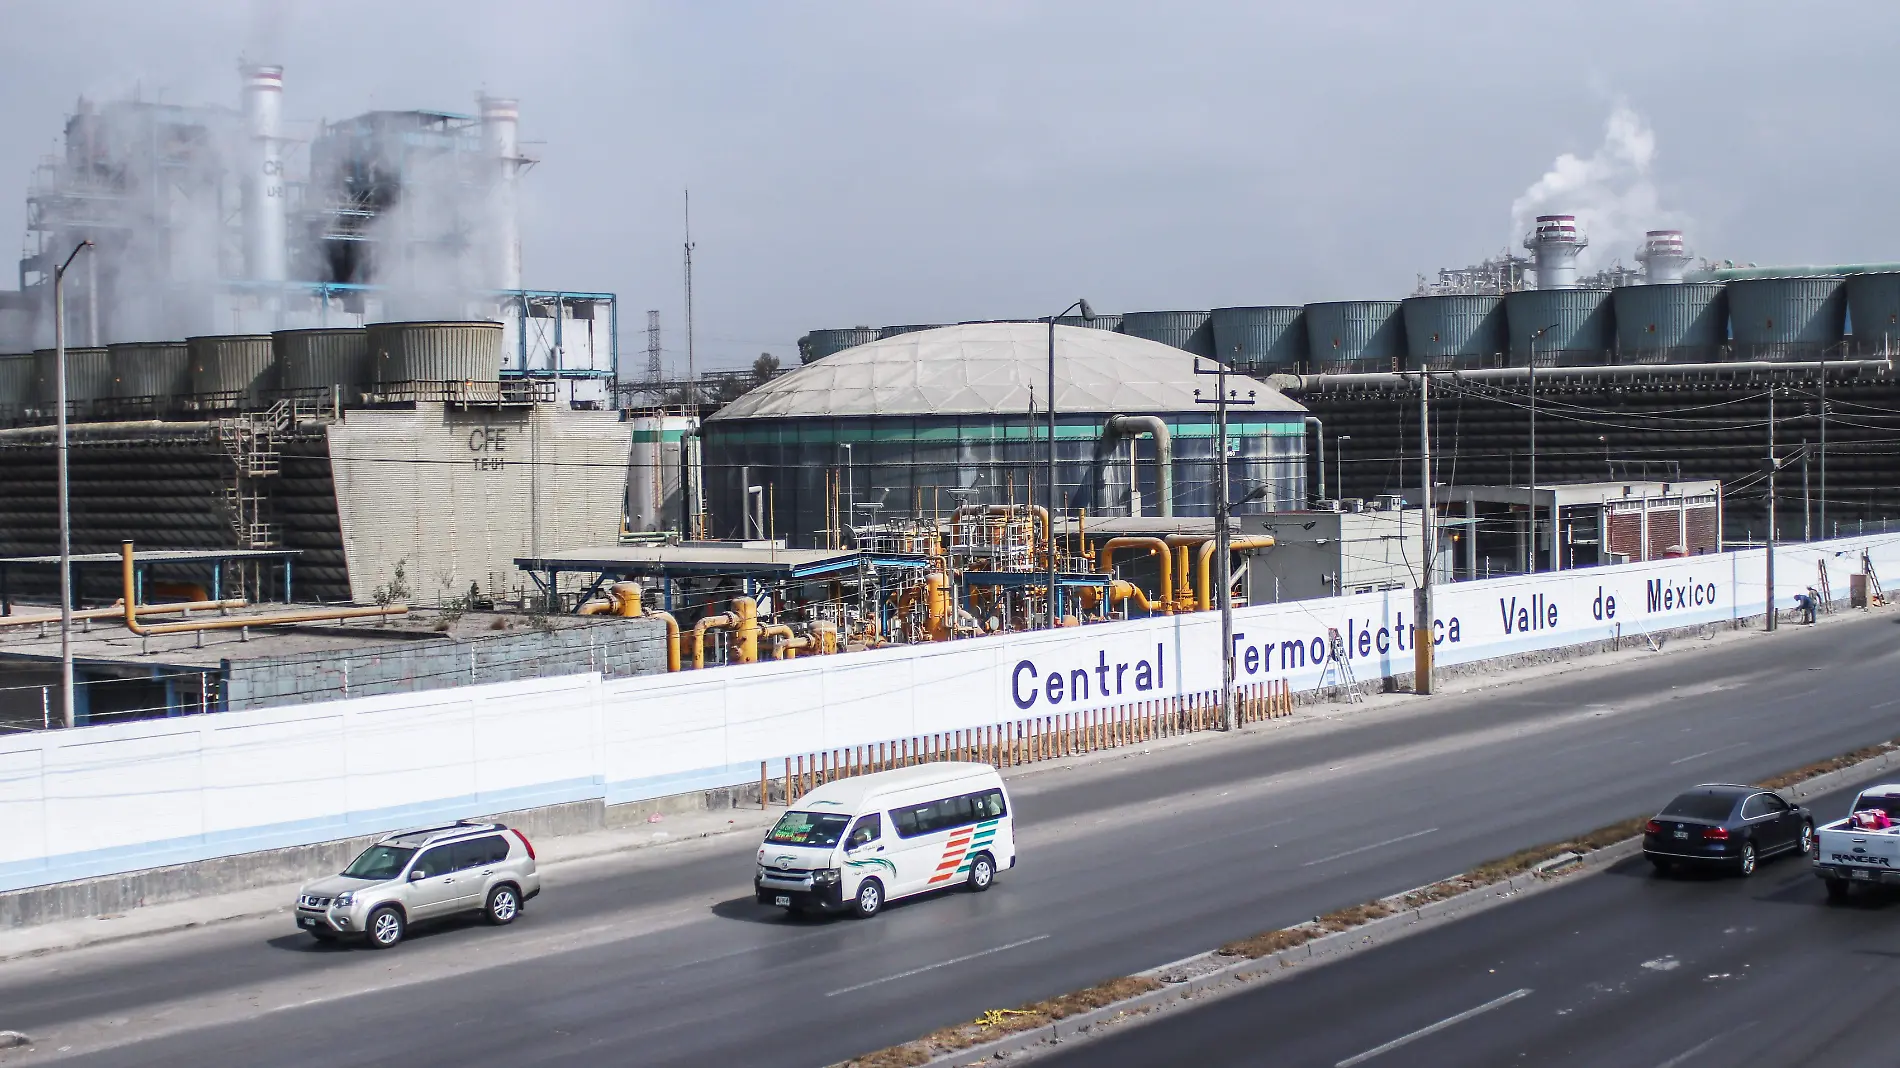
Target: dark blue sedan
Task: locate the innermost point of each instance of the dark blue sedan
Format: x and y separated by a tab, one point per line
1728	826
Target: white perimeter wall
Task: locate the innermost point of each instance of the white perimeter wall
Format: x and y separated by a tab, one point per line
108	799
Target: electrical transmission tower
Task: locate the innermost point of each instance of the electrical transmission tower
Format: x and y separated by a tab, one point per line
654	371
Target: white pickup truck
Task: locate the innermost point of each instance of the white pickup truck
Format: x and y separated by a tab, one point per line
1858	849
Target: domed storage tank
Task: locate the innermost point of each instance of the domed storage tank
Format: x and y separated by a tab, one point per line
159	370
821	343
1261	340
17	392
313	362
1189	331
435	352
232	370
1354	335
1873	312
88	380
1682	322
1786	318
1578	327
1454	330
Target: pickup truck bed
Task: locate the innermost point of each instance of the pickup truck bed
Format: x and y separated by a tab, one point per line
1845	854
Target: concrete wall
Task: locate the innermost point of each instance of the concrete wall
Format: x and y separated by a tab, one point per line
99	801
615	648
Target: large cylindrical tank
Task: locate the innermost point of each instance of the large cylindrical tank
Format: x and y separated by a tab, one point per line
1786	318
821	343
232	368
1093	322
1189	331
1566	327
435	352
1684	322
1454	330
160	370
1873	312
1261	340
88	378
1354	335
17	392
323	359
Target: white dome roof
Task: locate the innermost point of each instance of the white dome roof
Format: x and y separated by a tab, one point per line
994	368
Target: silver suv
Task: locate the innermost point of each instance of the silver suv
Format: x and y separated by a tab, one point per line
420	875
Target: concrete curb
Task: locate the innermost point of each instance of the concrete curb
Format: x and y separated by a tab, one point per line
1231	978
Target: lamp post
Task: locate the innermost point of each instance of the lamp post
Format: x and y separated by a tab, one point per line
1339	462
1049	489
66	694
1223	397
1541	331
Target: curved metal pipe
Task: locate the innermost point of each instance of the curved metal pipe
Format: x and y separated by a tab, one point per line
1133	426
788	645
672	638
132	610
716	621
1162	554
1204	592
118	609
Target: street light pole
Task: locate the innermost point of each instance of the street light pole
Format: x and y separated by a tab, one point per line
1422	644
1223	544
1339	462
1541	331
66	689
1049	490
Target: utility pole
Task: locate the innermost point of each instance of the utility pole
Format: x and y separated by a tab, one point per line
692	369
1422	600
1772	464
1542	331
1823	471
67	695
1807	502
1223	551
1049	490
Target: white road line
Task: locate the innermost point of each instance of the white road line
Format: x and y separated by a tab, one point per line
1375	845
1886	704
934	967
1712	752
1699	1047
1434	1028
1199	842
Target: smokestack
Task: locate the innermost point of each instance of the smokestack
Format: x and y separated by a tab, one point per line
1555	244
265	228
1663	256
501	138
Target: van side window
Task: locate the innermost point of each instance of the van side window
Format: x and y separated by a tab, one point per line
959	811
864	832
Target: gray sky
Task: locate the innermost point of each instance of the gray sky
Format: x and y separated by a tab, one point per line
882	163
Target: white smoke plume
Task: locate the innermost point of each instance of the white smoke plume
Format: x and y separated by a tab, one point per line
1612	192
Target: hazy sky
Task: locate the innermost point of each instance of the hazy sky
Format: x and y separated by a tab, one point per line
860	163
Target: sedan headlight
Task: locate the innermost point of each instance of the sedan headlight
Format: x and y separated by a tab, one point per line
825	876
345	900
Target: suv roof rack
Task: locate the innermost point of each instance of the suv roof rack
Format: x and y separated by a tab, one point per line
441	830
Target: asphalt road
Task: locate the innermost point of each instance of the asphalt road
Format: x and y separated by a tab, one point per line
666	960
1624	968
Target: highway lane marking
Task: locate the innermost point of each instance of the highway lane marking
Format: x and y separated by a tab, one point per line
1433	1029
1375	845
934	967
1196	844
1711	752
1700	1047
1885	704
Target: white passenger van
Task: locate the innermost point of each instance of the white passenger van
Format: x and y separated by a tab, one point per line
859	842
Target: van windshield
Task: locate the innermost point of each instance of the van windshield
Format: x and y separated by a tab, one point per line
379	862
820	830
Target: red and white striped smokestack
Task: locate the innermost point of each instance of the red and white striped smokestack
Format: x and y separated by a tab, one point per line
1555	243
1664	256
266	229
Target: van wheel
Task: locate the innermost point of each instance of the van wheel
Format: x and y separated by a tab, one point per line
504	904
385	927
982	873
869	900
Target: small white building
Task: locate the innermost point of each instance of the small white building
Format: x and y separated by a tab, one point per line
1356	549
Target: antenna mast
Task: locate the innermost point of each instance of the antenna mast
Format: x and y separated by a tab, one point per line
654	371
692	372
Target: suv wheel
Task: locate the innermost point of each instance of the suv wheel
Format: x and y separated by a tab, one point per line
385	927
504	904
982	873
869	900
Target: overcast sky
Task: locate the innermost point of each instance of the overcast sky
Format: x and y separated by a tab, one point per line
860	163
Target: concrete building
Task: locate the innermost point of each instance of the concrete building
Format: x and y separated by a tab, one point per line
1325	553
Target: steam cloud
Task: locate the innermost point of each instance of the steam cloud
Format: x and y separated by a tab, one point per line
1611	192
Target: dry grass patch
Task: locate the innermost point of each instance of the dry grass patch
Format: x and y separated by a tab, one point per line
1006	1022
1800	775
1267	943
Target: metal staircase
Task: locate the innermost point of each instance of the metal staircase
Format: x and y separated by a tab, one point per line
254	443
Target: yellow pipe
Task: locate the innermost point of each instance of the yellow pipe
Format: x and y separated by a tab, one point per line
1204	596
118	609
827	637
747	632
781	649
596	607
1164	558
132	610
1183	545
706	623
626	599
672	639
